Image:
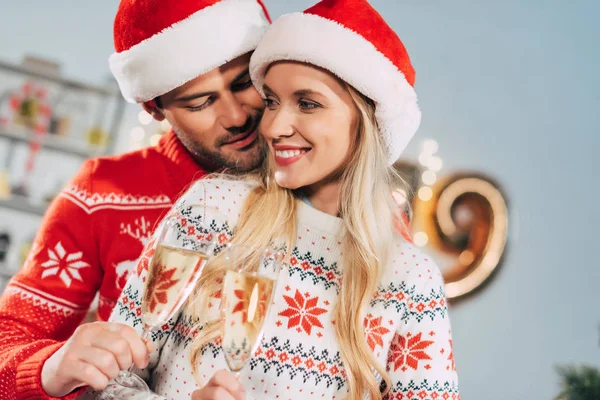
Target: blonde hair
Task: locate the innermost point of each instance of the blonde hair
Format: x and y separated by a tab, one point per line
368	213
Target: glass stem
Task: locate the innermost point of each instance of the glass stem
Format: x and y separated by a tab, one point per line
128	378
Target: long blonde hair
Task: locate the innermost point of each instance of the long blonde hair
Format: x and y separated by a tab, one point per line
368	213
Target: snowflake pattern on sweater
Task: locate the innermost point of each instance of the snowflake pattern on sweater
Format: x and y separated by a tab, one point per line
406	326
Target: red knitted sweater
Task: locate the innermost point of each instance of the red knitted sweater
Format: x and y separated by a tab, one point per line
88	242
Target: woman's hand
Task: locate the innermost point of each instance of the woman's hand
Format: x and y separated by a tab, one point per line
94	355
222	386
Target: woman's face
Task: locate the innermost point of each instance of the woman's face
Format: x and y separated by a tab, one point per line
310	122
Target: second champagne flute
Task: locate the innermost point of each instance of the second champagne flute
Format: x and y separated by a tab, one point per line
246	297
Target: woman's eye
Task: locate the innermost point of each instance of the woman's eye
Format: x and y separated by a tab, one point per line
308	105
269	103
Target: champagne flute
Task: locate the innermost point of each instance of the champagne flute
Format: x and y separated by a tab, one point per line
246	298
186	242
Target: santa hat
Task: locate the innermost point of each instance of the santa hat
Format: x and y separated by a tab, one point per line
351	40
162	44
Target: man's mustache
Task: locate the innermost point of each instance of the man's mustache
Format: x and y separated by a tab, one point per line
249	126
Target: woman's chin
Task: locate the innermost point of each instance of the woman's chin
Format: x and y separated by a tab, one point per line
286	181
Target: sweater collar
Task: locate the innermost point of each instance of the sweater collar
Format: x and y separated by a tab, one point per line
313	217
183	170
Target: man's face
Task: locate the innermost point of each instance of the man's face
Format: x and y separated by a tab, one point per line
216	117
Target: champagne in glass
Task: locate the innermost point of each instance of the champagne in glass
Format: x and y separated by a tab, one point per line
186	241
246	298
172	275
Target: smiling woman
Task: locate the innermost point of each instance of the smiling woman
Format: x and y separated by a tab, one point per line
310	131
359	311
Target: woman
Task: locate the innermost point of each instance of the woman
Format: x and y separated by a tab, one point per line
358	310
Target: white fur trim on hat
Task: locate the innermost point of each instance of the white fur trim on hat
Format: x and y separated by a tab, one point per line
206	40
329	45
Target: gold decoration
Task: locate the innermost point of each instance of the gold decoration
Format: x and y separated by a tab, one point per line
30	107
28	112
96	136
4	185
464	216
24	252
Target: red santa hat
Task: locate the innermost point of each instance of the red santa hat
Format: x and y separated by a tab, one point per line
162	44
351	40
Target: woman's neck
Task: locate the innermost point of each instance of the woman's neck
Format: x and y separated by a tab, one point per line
325	197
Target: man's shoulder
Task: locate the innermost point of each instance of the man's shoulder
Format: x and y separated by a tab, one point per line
126	180
123	167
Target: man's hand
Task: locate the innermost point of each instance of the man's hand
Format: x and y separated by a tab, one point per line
94	355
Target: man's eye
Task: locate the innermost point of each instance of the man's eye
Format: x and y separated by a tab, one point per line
241	85
202	106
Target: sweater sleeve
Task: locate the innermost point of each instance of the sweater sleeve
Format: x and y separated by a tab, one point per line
421	360
128	311
46	301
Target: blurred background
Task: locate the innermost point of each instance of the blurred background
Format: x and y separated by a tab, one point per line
510	94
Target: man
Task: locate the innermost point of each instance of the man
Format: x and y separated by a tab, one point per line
185	61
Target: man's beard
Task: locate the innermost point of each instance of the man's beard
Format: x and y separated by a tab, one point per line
213	160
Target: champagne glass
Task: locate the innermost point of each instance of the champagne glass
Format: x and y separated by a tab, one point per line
246	297
187	240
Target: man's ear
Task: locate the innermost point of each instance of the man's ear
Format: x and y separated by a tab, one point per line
152	109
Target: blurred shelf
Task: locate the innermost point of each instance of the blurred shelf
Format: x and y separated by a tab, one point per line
15	83
62	81
23	204
52	142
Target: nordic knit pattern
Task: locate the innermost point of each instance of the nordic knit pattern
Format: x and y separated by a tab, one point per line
406	325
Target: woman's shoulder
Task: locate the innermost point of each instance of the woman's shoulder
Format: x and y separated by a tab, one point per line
224	186
412	268
226	194
217	191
